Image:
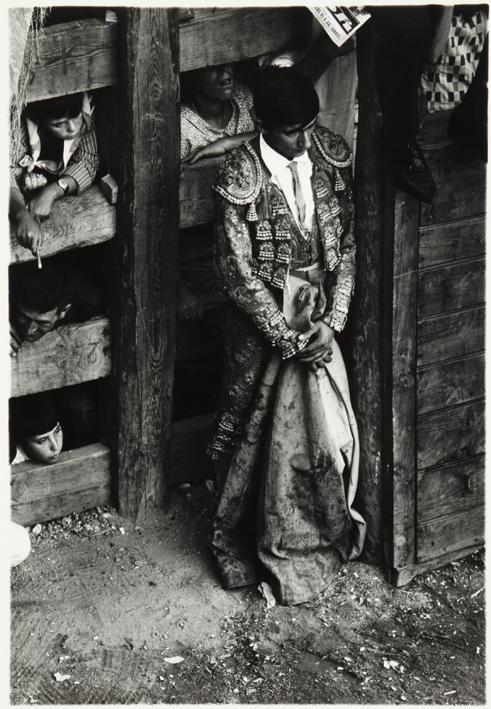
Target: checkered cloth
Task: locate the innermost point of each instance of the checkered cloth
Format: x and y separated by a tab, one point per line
445	83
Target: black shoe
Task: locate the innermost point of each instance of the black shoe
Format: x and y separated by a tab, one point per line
414	175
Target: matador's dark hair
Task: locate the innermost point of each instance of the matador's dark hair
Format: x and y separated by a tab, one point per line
284	97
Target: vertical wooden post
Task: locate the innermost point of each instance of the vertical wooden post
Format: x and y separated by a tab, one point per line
367	308
148	222
402	444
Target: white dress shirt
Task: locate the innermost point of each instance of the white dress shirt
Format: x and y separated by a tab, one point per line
281	175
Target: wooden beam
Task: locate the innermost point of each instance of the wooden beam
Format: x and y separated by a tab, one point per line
83	220
218	36
71	354
79	480
451	489
448	383
442	337
196	198
461	239
461	193
450	533
403	394
451	287
401	577
73	56
147	224
366	313
450	435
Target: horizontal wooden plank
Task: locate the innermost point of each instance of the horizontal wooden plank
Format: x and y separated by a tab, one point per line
461	192
445	336
219	36
453	287
188	459
448	383
450	533
73	56
441	243
450	489
196	198
402	576
450	435
79	480
71	354
82	220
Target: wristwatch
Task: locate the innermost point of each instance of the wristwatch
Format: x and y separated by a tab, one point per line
63	184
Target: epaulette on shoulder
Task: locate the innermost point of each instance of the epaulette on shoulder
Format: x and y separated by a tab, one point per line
240	177
333	148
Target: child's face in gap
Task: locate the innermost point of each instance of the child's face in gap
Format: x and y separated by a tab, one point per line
64	128
45	447
32	324
216	82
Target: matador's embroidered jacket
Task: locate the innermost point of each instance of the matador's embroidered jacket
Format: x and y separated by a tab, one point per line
254	236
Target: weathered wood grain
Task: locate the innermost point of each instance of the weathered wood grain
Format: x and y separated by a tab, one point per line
462	239
71	354
219	35
450	435
451	489
83	220
196	198
147	224
79	480
72	57
366	313
443	337
454	382
461	193
452	287
450	533
401	577
188	459
403	441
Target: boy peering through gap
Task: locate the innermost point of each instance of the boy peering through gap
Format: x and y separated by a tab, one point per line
58	157
41	300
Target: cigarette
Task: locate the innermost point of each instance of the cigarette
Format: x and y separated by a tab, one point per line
40	265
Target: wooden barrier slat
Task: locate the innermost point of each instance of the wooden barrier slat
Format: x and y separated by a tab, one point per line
450	489
401	577
188	459
71	354
83	220
196	198
79	480
445	336
207	38
73	56
441	243
450	383
450	435
403	404
147	223
452	287
450	533
461	193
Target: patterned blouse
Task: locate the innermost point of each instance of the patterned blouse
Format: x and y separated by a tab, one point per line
196	132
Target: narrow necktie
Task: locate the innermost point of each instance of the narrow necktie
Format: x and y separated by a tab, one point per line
299	195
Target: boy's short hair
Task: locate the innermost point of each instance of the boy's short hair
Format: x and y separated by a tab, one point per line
32	415
39	289
283	96
68	106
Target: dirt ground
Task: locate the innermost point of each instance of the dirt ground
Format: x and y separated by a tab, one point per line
106	613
